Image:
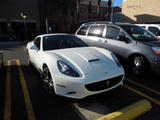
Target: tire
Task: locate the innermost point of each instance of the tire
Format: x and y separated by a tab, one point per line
47	81
29	62
139	66
30	65
28	58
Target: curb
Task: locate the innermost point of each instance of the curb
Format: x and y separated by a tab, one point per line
130	112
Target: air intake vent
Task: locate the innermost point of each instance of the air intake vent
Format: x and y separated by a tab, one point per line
102	85
93	60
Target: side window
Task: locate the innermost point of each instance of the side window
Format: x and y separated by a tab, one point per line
112	33
37	42
83	30
154	30
96	30
122	34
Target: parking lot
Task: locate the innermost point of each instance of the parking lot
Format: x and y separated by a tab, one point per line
22	95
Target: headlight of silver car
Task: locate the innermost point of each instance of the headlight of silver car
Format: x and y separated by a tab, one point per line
66	69
116	60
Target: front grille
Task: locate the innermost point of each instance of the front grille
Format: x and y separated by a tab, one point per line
102	85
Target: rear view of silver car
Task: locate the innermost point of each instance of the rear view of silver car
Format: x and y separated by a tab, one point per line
136	46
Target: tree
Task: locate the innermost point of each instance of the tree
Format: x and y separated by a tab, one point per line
78	8
90	9
109	8
98	10
66	10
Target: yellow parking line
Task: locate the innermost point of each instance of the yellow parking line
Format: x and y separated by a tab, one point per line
142	94
130	112
28	103
7	109
145	87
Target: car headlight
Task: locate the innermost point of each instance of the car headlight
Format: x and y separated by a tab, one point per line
156	50
66	69
116	60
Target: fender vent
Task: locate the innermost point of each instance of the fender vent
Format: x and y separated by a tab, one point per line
93	60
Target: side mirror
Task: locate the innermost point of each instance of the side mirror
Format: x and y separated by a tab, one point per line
123	38
33	47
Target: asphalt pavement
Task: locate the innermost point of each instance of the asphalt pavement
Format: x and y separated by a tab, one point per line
22	96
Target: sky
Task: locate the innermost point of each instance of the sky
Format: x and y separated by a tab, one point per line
116	2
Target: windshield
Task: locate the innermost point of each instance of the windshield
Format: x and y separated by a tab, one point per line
62	42
139	33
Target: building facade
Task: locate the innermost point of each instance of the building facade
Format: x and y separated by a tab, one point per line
95	13
141	11
46	16
11	20
117	14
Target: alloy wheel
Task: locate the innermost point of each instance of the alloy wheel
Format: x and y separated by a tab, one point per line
136	66
47	81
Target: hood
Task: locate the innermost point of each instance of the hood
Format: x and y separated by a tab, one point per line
152	43
87	59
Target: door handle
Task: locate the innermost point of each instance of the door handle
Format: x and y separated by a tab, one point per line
103	41
100	40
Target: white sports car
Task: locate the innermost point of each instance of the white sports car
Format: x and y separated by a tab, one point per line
70	68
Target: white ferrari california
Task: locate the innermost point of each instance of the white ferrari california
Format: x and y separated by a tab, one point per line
70	68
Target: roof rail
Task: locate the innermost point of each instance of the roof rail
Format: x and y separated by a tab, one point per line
122	23
99	22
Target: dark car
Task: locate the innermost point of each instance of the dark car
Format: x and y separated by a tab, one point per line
7	37
1	58
131	43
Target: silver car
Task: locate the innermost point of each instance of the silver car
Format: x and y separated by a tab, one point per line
139	48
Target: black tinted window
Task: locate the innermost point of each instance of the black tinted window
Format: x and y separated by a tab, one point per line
96	30
37	42
122	34
138	33
83	30
62	42
154	30
112	33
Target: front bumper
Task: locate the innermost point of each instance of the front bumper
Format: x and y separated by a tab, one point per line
155	64
76	87
155	67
